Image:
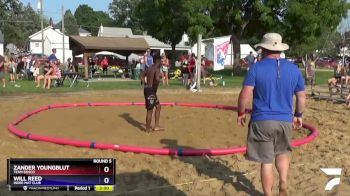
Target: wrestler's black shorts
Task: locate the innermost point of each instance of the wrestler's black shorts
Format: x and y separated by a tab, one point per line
151	99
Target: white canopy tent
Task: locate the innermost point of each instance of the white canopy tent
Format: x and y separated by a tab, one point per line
105	53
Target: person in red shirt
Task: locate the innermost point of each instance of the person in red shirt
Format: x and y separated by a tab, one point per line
191	66
2	71
104	65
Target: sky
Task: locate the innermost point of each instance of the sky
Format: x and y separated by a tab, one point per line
53	8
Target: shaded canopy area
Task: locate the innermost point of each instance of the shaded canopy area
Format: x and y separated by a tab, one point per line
120	45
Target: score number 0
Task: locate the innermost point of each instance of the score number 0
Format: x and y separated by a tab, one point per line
106	170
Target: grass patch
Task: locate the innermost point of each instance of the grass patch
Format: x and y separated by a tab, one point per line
230	81
322	76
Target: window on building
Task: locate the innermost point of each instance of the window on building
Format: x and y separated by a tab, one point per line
36	44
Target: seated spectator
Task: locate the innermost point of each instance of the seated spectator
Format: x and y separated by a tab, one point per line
332	82
41	75
54	73
344	76
36	70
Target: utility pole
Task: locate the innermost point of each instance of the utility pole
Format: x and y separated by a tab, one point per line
199	61
63	47
42	27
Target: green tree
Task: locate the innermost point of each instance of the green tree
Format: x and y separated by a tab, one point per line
198	18
307	23
300	22
85	17
91	20
124	14
244	19
163	19
168	20
70	24
18	22
103	18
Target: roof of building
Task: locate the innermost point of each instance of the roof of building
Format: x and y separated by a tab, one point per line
127	32
81	30
155	43
114	32
121	45
1	37
48	27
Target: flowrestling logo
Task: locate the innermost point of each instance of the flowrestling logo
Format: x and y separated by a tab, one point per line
332	172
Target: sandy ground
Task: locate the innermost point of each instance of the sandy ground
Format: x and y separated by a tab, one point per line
139	174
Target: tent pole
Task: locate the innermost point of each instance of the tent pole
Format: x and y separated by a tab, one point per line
86	66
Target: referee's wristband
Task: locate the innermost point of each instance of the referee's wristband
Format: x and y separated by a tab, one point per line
241	113
298	114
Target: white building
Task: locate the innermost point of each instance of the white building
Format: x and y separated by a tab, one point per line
83	32
53	38
153	43
1	44
207	49
113	32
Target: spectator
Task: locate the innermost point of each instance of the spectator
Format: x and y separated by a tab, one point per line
54	73
142	62
203	71
250	59
311	74
30	67
104	65
165	69
148	59
36	70
52	56
20	67
41	75
344	76
12	70
2	71
185	73
348	100
92	66
69	65
192	66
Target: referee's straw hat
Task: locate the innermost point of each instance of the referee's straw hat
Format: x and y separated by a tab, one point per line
272	42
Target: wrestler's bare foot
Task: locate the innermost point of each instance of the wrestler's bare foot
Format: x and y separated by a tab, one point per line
146	129
158	129
283	190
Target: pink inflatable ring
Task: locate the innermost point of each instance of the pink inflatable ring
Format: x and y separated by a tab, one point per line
138	149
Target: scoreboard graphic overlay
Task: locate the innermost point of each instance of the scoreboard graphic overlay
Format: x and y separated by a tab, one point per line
96	174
